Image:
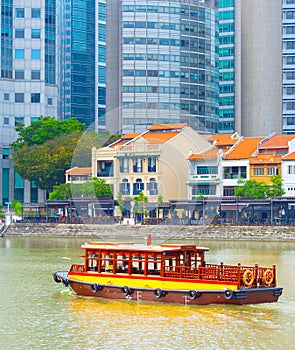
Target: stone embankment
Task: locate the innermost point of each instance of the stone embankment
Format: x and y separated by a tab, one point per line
163	232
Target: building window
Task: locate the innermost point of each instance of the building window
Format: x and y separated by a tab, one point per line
35	54
36	13
35	75
19	12
6	96
124	165
153	187
137	165
291	169
138	187
19	74
272	171
19	33
19	120
19	97
19	53
152	165
258	171
35	97
125	187
35	33
5	153
6	121
50	101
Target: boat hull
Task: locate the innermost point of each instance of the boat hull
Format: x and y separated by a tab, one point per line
188	297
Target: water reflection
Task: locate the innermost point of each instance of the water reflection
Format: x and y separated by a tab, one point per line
37	313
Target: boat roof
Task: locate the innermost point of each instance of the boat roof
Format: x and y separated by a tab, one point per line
130	246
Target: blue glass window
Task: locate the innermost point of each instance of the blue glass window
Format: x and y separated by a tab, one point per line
102	74
35	97
19	53
35	33
101	12
36	12
35	54
19	12
101	53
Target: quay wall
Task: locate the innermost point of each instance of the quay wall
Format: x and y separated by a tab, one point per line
160	232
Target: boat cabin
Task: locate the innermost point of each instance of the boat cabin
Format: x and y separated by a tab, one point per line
166	260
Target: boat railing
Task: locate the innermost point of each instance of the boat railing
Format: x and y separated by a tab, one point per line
244	276
77	268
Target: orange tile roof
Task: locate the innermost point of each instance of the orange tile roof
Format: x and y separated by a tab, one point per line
210	154
79	171
167	126
223	139
277	141
265	158
125	138
243	149
289	156
159	137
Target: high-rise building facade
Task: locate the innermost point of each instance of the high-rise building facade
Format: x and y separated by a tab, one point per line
28	81
83	61
288	18
228	76
162	64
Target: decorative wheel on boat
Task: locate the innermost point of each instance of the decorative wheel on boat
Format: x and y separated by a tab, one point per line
126	291
193	294
95	288
248	278
228	294
158	293
268	277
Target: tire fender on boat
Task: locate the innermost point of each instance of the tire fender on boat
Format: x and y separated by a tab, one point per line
158	293
268	277
126	291
65	282
193	294
95	287
56	279
248	278
228	294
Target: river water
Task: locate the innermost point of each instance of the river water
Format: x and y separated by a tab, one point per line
37	313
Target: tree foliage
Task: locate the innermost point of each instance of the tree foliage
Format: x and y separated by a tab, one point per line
46	164
44	129
259	190
94	188
48	147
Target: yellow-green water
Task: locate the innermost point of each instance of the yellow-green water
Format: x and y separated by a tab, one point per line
37	313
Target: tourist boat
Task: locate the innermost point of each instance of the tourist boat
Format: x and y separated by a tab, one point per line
171	273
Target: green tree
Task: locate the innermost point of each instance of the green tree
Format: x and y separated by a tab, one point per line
259	190
45	164
276	189
61	192
44	129
94	188
138	204
17	207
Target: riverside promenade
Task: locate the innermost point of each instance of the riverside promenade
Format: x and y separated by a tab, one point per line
158	232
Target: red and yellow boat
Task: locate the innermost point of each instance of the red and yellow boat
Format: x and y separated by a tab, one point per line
171	273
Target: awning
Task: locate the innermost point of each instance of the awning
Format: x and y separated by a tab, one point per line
232	206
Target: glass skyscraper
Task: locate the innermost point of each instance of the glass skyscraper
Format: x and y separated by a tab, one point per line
28	81
227	45
83	61
164	66
288	19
